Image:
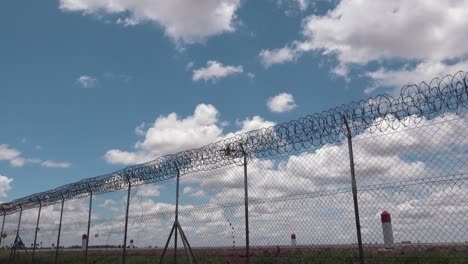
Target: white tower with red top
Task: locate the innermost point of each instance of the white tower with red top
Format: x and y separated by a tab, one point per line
387	229
84	238
293	240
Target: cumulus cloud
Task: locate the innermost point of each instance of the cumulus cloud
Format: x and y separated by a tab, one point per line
55	164
278	56
149	190
303	4
256	122
424	71
4	185
86	81
16	159
13	156
432	34
182	20
249	124
359	32
214	71
107	203
171	134
280	103
140	130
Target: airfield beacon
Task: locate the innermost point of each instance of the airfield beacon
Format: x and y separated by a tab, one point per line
387	229
84	237
293	240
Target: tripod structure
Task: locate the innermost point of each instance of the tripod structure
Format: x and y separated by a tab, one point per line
17	245
177	227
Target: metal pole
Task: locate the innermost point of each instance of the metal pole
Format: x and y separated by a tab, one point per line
89	225
59	231
354	187
176	214
19	221
35	233
1	232
126	223
246	206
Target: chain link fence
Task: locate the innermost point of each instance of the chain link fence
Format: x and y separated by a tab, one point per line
300	201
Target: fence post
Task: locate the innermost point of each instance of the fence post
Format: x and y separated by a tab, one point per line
246	206
176	226
89	224
1	232
176	213
35	231
59	231
126	222
19	221
354	189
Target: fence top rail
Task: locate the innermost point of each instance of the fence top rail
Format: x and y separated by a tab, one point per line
448	94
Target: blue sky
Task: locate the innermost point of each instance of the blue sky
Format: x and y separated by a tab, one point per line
88	86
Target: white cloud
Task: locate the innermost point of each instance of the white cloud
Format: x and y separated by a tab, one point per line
395	31
358	32
256	122
183	20
214	71
16	160
9	154
280	103
189	66
424	71
140	130
249	124
107	203
4	185
149	190
14	156
86	81
278	56
303	4
171	134
194	192
55	164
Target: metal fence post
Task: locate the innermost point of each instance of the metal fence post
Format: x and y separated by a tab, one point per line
126	222
89	225
59	231
246	207
176	213
35	231
177	226
1	232
354	190
19	221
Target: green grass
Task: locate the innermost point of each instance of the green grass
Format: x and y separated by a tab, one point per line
323	257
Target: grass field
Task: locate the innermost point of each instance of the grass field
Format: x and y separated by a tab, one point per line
327	256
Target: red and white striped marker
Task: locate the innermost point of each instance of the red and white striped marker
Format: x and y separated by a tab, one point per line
84	238
293	239
387	229
131	244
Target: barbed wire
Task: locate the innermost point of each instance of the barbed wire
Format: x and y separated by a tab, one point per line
448	94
